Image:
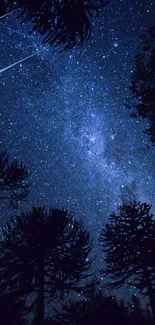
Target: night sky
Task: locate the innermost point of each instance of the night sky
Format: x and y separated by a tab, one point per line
63	115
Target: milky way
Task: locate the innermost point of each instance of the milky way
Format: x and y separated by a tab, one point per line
63	115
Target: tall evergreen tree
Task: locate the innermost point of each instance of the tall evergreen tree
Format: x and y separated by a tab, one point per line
128	244
14	183
142	83
44	255
65	22
99	309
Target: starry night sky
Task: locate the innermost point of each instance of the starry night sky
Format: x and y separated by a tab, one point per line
63	115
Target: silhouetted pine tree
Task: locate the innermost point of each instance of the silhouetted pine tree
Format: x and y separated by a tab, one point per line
143	83
98	310
128	245
65	22
14	182
73	312
44	255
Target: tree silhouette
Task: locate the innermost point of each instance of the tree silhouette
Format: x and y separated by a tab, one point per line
14	182
44	254
104	310
73	313
65	22
142	83
128	243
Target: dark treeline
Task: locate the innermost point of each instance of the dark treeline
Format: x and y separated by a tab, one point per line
47	255
142	84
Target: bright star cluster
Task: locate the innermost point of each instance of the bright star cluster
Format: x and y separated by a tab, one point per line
63	115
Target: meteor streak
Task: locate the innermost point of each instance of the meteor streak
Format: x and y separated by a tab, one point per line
16	31
12	65
8	13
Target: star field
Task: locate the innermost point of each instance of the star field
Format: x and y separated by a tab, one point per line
63	115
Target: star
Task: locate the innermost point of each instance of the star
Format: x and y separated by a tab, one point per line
63	115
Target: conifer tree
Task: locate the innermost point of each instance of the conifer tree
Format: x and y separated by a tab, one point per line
43	256
14	183
98	309
65	22
128	245
142	83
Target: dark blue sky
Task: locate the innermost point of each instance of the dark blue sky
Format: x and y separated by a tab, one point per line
63	115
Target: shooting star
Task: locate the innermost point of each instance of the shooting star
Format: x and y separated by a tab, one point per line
16	31
12	65
11	12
